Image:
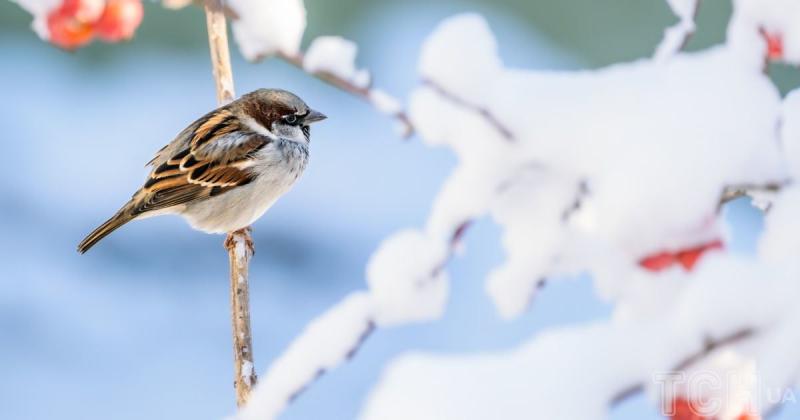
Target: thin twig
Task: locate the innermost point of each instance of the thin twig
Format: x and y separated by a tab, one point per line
239	244
365	93
733	192
709	347
483	112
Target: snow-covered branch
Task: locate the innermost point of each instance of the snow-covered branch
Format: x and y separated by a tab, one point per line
709	346
618	172
483	112
676	37
326	342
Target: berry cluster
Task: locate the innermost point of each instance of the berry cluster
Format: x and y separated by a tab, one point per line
75	23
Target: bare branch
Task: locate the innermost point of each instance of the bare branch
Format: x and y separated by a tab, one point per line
239	244
240	249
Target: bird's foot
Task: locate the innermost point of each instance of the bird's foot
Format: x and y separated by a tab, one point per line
240	235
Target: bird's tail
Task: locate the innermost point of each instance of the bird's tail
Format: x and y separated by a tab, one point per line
123	216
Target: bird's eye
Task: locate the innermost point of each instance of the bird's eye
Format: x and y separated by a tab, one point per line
291	119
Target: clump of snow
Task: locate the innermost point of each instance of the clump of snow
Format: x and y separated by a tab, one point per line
790	131
439	60
324	344
530	211
39	9
781	239
337	56
385	103
175	4
405	279
247	371
541	379
240	248
266	27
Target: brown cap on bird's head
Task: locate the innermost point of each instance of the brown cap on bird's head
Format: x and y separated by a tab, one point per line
268	106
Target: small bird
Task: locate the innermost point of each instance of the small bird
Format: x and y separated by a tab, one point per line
222	172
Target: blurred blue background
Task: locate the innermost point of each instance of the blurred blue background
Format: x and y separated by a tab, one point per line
139	327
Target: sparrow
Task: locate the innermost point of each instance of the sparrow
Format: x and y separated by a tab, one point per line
225	170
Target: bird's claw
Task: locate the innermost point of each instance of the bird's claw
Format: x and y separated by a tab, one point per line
245	233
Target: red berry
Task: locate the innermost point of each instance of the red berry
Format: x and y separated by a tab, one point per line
748	416
683	409
68	32
774	44
688	258
657	262
119	20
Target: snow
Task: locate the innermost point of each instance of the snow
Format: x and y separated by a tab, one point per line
247	371
676	36
175	4
590	172
384	102
480	58
324	344
397	294
530	214
405	279
39	10
781	238
597	361
240	250
266	27
609	116
335	55
602	171
790	131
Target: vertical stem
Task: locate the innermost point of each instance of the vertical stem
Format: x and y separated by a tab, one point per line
220	56
239	243
240	249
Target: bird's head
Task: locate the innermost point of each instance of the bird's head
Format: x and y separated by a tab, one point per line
281	112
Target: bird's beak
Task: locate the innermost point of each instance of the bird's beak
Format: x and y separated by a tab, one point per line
314	116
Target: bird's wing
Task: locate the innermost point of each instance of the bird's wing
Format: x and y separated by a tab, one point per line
213	155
